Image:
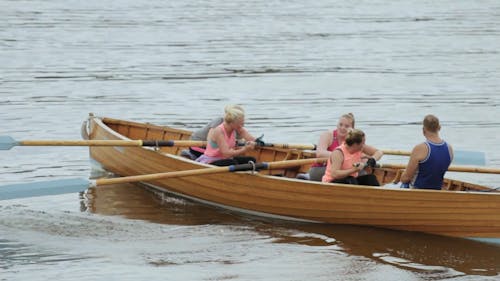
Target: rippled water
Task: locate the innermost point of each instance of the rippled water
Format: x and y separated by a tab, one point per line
295	67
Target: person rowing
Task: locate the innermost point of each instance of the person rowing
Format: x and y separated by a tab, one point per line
202	134
346	161
221	149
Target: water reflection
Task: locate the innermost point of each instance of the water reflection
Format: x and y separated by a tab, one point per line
134	202
417	252
409	250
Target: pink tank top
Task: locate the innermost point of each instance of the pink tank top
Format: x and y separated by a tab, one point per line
335	144
213	151
349	160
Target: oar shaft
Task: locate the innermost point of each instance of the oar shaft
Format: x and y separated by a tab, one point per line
184	143
460	157
396	152
80	143
151	177
211	170
294	163
452	168
159	143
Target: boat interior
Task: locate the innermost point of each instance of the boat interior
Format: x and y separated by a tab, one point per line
146	131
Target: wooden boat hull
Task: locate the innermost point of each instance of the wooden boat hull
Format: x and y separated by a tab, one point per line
451	213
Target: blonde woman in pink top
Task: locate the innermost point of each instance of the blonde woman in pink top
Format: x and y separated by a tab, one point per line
328	141
221	141
346	161
202	134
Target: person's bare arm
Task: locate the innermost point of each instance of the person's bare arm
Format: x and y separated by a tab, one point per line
245	135
418	153
337	158
217	136
325	139
373	152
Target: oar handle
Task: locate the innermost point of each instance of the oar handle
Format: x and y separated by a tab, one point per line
184	143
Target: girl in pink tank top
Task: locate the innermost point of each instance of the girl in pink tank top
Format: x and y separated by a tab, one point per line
345	162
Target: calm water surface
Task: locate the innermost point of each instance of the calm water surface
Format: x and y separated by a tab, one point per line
295	67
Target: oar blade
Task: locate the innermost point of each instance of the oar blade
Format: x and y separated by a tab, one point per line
44	188
6	142
465	157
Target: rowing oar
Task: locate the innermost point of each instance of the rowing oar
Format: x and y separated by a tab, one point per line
452	168
7	142
77	185
460	157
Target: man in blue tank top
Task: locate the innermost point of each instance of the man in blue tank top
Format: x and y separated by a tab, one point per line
429	160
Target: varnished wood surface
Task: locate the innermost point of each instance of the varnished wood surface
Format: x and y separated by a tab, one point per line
278	193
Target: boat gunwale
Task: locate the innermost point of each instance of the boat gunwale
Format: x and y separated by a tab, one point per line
103	125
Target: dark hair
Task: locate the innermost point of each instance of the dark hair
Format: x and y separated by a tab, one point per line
354	136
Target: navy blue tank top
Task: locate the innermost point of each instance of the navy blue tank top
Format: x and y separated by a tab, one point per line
431	170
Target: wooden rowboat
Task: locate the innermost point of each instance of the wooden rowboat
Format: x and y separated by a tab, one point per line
461	209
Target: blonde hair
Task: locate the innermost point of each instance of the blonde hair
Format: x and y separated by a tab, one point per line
349	116
354	136
431	123
233	113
